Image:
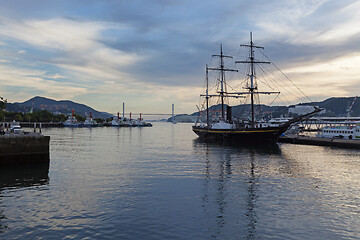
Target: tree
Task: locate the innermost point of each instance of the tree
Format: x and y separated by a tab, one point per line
79	118
99	120
18	117
2	103
60	118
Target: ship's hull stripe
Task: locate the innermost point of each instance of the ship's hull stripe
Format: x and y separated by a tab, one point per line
232	131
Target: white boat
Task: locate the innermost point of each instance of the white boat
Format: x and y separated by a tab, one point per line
123	122
115	123
90	122
119	122
349	129
140	123
15	128
344	132
72	121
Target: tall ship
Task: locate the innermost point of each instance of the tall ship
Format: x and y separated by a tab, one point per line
228	128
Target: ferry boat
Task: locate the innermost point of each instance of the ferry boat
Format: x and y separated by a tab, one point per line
344	132
236	130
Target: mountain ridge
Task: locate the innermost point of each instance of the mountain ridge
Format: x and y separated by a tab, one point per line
58	106
335	106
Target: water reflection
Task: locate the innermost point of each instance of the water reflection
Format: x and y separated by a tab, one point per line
20	176
2	217
265	148
224	169
24	175
253	190
251	214
224	165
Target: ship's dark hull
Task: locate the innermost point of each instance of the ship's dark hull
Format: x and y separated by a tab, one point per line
243	135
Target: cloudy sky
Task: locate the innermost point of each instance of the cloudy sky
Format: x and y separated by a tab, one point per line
151	54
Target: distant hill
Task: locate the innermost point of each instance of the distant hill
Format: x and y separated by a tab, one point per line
336	106
54	106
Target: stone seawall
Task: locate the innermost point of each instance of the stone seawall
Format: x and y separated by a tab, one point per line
24	148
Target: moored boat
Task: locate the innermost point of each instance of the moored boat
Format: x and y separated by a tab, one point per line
249	130
72	121
123	122
140	123
90	122
15	128
118	122
342	132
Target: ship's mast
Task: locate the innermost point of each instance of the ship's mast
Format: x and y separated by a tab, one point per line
222	80
252	74
207	96
252	88
222	70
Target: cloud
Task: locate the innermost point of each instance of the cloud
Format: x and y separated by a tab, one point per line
76	39
55	76
71	46
33	82
153	52
315	22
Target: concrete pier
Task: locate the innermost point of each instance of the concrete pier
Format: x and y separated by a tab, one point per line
342	143
24	148
43	124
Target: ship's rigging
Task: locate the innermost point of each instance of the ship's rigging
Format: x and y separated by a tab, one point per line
269	81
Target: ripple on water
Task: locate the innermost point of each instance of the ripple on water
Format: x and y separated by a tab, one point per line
162	183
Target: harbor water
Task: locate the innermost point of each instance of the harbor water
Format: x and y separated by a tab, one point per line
161	182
